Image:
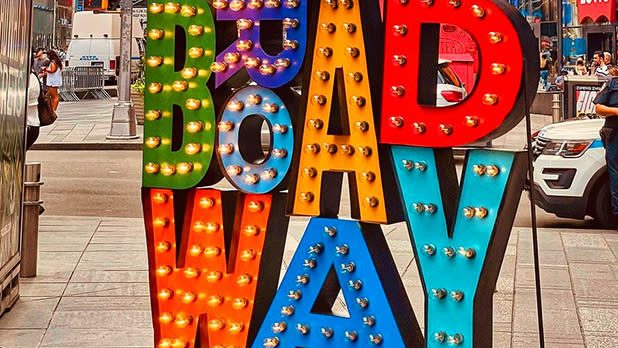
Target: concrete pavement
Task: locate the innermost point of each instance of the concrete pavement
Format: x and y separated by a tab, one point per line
92	287
83	125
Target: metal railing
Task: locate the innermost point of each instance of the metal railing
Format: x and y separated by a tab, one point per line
88	79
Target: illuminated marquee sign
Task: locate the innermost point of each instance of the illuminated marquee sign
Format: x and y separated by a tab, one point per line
460	239
459	234
247	51
496	103
204	290
181	47
240	138
339	132
355	258
215	256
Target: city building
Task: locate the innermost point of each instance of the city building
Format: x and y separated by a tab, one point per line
52	23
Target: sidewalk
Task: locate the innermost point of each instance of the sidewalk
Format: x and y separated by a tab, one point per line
92	288
84	125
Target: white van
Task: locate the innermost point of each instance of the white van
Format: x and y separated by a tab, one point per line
96	41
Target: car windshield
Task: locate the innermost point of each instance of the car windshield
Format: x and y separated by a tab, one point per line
446	75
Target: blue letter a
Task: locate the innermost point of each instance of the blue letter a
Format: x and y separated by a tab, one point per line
459	235
353	256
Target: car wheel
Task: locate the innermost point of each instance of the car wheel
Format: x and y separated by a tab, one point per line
603	212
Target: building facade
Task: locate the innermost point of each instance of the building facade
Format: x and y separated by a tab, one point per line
52	23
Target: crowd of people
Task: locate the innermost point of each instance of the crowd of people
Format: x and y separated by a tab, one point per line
601	65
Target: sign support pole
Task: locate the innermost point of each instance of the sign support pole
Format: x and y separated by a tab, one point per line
535	235
123	117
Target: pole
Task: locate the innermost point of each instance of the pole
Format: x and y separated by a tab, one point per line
535	234
123	117
559	48
54	23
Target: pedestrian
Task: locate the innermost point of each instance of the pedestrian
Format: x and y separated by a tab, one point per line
607	107
560	79
32	113
599	68
54	77
40	61
580	67
607	58
545	63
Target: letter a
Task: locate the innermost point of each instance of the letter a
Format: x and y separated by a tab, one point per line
339	133
356	256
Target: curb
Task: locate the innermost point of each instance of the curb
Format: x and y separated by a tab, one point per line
106	146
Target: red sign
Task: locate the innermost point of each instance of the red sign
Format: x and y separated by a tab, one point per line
496	103
596	10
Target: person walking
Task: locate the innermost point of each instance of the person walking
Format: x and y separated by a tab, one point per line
607	107
54	77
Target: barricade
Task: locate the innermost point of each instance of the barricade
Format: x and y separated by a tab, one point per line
66	91
88	79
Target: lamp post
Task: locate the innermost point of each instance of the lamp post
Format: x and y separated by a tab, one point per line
55	19
123	117
559	47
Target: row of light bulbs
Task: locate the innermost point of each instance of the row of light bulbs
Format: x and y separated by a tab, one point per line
449	252
237	5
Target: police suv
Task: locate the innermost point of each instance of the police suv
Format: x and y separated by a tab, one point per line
570	171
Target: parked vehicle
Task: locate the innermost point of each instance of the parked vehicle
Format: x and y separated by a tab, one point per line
570	171
96	42
450	89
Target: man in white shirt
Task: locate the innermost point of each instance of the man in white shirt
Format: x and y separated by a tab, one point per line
599	66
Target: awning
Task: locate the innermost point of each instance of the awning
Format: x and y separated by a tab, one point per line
596	10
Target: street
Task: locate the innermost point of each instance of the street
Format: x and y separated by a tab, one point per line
107	183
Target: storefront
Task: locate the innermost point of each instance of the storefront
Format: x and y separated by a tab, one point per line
595	30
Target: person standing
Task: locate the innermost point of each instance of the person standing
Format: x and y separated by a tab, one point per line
545	63
40	61
607	58
607	107
580	67
54	77
32	113
599	68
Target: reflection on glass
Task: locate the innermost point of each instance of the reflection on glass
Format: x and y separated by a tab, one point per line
14	60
